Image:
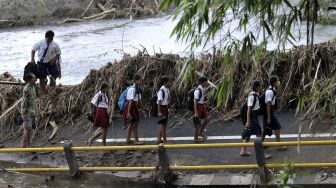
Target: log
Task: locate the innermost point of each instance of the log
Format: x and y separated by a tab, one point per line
12	83
100	14
55	130
3	22
69	20
87	8
100	6
18	102
211	84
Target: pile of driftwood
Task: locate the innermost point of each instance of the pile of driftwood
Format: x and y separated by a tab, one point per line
66	105
115	9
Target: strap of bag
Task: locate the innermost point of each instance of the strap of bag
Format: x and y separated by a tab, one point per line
44	53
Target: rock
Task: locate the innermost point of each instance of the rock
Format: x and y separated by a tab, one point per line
34	158
49	179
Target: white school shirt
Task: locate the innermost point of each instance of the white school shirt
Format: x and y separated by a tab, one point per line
251	98
131	94
197	95
165	100
53	50
269	96
103	103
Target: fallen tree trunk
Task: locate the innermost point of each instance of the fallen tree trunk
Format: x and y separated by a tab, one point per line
100	14
55	130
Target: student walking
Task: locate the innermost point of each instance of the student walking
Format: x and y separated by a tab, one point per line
131	112
200	110
48	60
163	108
28	109
270	120
101	102
252	126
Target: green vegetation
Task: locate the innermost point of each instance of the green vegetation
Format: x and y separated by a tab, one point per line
244	57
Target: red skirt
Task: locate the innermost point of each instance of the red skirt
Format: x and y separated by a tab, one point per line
164	110
102	119
202	111
134	112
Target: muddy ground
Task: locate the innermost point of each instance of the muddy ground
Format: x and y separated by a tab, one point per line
79	133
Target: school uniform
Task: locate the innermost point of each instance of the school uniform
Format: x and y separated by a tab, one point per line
199	98
44	67
133	93
270	96
253	102
163	95
101	101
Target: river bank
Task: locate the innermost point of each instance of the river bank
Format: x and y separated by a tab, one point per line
42	12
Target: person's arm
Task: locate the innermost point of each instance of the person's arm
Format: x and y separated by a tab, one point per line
34	49
24	110
160	100
269	120
54	60
130	102
248	118
196	97
32	56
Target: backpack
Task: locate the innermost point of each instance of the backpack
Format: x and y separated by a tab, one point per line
191	98
30	68
243	110
153	104
92	115
263	106
123	101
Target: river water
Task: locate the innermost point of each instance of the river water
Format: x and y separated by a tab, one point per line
88	45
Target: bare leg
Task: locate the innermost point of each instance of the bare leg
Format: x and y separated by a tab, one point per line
201	130
104	131
52	81
43	86
135	133
25	137
160	135
98	134
164	133
243	151
277	138
129	132
263	137
196	139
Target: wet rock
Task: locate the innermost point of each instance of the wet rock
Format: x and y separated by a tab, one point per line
34	158
49	179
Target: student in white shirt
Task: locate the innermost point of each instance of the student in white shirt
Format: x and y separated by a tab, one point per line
131	112
163	96
200	109
252	122
270	120
48	59
101	120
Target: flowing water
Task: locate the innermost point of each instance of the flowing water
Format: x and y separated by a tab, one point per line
88	45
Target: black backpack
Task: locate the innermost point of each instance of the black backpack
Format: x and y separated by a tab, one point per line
191	98
30	68
243	110
153	104
263	106
92	115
